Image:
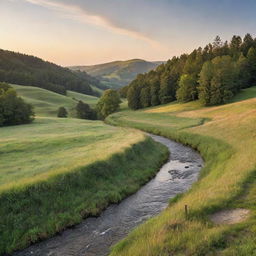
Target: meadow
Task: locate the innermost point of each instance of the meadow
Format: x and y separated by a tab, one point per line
46	103
57	171
226	138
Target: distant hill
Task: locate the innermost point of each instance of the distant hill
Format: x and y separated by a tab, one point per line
46	103
118	73
28	70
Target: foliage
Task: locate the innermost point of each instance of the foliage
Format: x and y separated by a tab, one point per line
31	71
108	103
13	109
218	81
187	90
181	77
84	111
62	112
89	165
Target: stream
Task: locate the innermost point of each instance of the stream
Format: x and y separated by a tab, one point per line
94	236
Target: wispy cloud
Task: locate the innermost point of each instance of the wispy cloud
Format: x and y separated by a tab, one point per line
82	15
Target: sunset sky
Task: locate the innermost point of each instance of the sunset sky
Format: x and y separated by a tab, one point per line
83	32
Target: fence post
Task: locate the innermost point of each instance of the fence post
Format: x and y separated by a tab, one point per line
186	212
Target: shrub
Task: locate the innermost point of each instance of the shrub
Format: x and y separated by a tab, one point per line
13	110
62	112
84	111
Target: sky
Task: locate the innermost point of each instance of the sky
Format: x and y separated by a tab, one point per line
86	32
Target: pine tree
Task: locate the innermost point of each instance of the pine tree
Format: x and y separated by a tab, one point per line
251	57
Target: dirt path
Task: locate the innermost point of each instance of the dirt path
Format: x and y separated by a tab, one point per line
230	216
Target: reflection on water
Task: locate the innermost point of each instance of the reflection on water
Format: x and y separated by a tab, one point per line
94	236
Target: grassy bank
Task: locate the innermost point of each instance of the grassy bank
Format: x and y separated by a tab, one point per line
226	138
56	171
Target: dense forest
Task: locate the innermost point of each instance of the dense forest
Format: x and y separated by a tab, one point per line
213	74
23	69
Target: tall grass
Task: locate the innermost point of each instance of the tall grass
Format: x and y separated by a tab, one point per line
65	170
224	135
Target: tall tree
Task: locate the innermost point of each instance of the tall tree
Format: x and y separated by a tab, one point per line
108	103
187	88
251	57
247	43
235	46
243	72
205	79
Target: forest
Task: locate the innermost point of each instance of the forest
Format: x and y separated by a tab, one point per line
213	74
28	70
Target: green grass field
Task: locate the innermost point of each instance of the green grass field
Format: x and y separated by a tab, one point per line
46	103
226	138
56	171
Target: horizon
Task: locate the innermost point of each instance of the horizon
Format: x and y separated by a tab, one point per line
88	33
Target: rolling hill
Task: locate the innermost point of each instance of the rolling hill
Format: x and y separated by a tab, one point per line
46	103
118	73
17	68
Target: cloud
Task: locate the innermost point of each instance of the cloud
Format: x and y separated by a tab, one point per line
82	15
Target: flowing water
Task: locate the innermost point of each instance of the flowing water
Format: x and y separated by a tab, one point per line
95	236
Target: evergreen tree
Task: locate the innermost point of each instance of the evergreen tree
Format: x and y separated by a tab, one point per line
251	57
235	46
145	97
133	97
187	88
243	71
247	43
154	92
205	78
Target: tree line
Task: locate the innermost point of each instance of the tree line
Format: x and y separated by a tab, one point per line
213	74
27	70
108	103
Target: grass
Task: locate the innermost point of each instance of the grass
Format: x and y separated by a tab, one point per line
96	89
91	100
46	103
54	172
226	138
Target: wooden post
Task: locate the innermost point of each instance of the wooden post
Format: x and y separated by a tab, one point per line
186	212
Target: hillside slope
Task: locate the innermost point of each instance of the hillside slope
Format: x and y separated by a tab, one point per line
24	69
118	73
46	103
225	137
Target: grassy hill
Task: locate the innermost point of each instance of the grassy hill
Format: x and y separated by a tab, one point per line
46	103
17	68
225	137
118	73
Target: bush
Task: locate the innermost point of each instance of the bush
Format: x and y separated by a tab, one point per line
62	112
13	109
84	111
